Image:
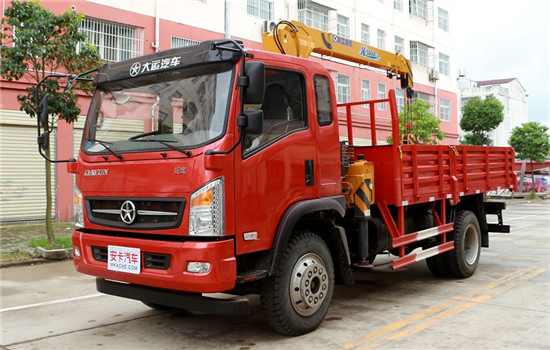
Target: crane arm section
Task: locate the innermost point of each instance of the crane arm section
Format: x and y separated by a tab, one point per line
295	38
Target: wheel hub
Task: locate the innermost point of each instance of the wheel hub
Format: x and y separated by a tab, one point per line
308	284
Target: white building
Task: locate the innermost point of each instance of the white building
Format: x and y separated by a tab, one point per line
509	92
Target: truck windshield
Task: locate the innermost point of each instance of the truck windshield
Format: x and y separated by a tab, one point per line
172	110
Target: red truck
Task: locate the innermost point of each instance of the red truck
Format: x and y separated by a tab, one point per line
213	168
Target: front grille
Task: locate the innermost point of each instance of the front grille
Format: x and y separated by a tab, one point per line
143	213
150	260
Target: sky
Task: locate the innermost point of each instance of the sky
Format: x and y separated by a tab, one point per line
497	39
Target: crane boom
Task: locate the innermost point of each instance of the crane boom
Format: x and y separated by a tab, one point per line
297	39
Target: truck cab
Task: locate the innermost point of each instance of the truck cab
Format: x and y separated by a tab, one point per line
162	203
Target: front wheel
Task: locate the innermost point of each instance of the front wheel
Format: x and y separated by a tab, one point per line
296	299
464	258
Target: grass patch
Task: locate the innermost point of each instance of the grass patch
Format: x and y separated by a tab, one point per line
60	242
18	239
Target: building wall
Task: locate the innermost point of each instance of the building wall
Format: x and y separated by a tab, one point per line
200	20
513	98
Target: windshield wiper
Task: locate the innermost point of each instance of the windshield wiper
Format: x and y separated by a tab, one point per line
167	144
104	144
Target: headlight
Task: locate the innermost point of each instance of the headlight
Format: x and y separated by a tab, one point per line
78	208
206	214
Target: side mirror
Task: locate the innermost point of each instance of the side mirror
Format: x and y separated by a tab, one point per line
44	140
254	92
255	121
42	110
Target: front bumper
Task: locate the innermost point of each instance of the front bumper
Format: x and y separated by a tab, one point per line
220	254
172	298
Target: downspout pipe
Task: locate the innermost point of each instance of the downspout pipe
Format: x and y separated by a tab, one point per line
227	19
157	26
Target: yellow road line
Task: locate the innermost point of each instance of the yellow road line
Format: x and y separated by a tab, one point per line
445	309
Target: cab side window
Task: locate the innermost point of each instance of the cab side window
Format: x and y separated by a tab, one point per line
322	100
284	108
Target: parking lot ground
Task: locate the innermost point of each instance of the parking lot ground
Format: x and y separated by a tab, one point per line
505	304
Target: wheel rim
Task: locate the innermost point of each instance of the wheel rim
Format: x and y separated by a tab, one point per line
471	244
308	284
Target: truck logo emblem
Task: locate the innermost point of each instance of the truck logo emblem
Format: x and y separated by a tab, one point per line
128	212
135	69
180	170
96	172
369	53
154	65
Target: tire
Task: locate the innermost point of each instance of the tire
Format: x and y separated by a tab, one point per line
463	260
296	298
438	266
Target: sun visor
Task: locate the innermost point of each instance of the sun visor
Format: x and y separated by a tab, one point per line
164	61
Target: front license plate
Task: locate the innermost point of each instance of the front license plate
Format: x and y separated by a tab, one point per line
124	259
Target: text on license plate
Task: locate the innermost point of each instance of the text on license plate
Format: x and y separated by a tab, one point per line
124	259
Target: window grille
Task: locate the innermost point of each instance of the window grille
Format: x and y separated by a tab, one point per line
419	8
400	99
182	42
365	91
400	45
381	95
444	64
342	27
114	41
260	8
445	109
313	14
443	19
398	5
365	34
421	54
343	88
381	39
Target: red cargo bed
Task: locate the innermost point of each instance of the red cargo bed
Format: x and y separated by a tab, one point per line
409	174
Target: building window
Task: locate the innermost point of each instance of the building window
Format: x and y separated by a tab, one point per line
400	45
182	42
381	39
398	5
443	19
365	91
382	95
421	54
400	99
443	64
365	34
429	99
343	88
114	41
313	14
419	8
445	109
260	8
342	27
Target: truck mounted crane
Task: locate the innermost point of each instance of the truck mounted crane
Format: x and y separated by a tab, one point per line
219	169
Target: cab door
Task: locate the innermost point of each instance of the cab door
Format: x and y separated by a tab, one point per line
275	168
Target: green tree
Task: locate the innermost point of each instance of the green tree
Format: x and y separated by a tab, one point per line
416	120
36	42
479	117
531	141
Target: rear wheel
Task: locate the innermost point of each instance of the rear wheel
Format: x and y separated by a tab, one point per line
296	299
463	260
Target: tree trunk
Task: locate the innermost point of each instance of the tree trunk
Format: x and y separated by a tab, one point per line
49	226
